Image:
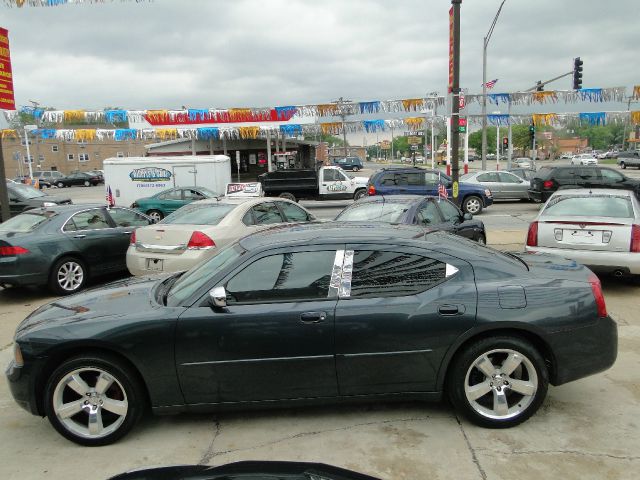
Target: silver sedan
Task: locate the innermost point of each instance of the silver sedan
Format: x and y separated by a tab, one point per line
503	185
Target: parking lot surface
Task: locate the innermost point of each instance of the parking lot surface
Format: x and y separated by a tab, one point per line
588	429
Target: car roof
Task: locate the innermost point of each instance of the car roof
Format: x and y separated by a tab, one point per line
67	208
241	200
614	192
393	199
335	232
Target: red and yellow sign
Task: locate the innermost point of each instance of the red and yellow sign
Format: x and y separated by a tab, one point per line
7	98
451	50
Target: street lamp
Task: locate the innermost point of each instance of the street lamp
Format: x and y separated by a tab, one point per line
497	143
484	87
27	129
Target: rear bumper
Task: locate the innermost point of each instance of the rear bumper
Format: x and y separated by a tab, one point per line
539	196
14	271
137	262
584	351
600	261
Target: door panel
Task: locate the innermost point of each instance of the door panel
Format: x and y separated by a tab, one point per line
96	240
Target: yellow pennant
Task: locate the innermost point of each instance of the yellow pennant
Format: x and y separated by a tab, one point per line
327	109
542	97
86	134
166	133
635	117
331	128
9	133
157	115
414	104
414	123
544	118
249	132
239	114
74	116
636	92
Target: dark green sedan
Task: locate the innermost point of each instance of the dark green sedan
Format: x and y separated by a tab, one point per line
63	246
164	203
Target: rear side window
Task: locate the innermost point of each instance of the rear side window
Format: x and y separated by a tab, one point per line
544	173
293	212
374	211
267	213
127	218
171	195
488	177
379	273
89	220
590	206
210	214
566	173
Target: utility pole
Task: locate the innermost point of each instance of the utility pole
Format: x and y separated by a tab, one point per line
455	100
342	109
4	194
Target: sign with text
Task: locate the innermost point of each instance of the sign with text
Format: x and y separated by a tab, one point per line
7	98
414	140
451	50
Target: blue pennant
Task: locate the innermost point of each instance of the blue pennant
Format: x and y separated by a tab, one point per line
369	107
197	114
591	94
122	134
291	130
208	133
372	126
285	113
114	116
594	118
45	133
499	97
33	111
498	119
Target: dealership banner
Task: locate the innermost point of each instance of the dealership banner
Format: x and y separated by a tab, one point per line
7	99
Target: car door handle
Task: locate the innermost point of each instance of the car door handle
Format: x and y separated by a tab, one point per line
450	309
313	317
79	236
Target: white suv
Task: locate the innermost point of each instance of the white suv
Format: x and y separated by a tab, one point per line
584	159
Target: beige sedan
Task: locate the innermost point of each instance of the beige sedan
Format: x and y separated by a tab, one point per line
199	230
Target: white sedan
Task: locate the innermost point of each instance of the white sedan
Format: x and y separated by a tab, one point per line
199	231
599	228
584	159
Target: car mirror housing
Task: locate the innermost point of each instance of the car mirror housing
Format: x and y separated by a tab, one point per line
467	216
218	297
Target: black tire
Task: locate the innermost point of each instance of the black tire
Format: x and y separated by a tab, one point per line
156	215
482	240
462	372
288	196
125	389
355	169
622	165
472	204
60	185
87	183
68	264
359	194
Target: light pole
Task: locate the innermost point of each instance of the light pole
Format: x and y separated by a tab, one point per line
27	129
497	143
484	87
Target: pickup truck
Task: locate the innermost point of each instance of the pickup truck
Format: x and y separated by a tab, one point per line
629	159
326	183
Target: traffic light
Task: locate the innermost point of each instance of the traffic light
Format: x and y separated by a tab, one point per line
505	142
577	73
532	134
539	86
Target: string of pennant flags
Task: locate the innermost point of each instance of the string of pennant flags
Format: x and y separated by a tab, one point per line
411	124
57	3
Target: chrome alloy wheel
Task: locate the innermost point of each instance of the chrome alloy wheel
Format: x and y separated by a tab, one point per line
473	206
90	403
501	384
70	275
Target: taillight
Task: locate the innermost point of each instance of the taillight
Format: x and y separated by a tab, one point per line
9	251
596	288
371	190
635	238
200	241
132	240
532	235
547	184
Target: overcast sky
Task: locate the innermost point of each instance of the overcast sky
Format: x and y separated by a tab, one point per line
235	53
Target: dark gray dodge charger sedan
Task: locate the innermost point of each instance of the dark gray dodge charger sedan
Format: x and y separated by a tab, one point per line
313	314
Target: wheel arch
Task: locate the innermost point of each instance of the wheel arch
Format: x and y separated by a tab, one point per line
517	330
72	254
58	357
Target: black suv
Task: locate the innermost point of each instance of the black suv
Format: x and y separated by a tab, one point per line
549	179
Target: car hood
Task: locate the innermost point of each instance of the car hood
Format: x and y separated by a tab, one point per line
361	180
113	300
39	201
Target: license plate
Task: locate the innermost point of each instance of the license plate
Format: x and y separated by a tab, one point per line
154	264
585	236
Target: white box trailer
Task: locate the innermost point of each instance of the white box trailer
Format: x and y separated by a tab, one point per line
132	178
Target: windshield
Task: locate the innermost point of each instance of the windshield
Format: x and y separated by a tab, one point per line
25	191
378	212
27	222
194	279
208	192
199	214
590	206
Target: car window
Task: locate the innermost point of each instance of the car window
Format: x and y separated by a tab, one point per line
388	180
330	175
449	211
293	212
508	178
192	194
127	218
566	173
432	178
415	179
611	175
88	220
428	213
267	213
207	214
248	218
488	177
590	205
374	211
588	174
26	222
382	273
174	194
284	277
24	191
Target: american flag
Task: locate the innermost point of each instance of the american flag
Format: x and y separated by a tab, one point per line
110	201
491	83
442	191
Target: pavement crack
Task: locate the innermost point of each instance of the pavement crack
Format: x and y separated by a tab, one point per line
308	434
210	453
560	452
474	457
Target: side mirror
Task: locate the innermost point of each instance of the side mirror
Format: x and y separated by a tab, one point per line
467	216
218	297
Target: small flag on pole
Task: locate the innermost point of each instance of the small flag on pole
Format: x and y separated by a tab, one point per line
490	84
442	191
110	201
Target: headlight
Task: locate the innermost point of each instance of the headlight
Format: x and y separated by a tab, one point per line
487	192
49	204
17	355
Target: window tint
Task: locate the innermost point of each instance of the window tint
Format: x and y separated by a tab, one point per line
428	213
210	214
449	211
433	178
284	277
488	177
267	213
192	194
127	218
588	174
388	180
374	211
381	273
331	175
566	173
611	176
508	178
89	220
171	195
592	205
293	212
248	218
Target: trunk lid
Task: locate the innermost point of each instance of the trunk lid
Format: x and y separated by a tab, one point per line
596	234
